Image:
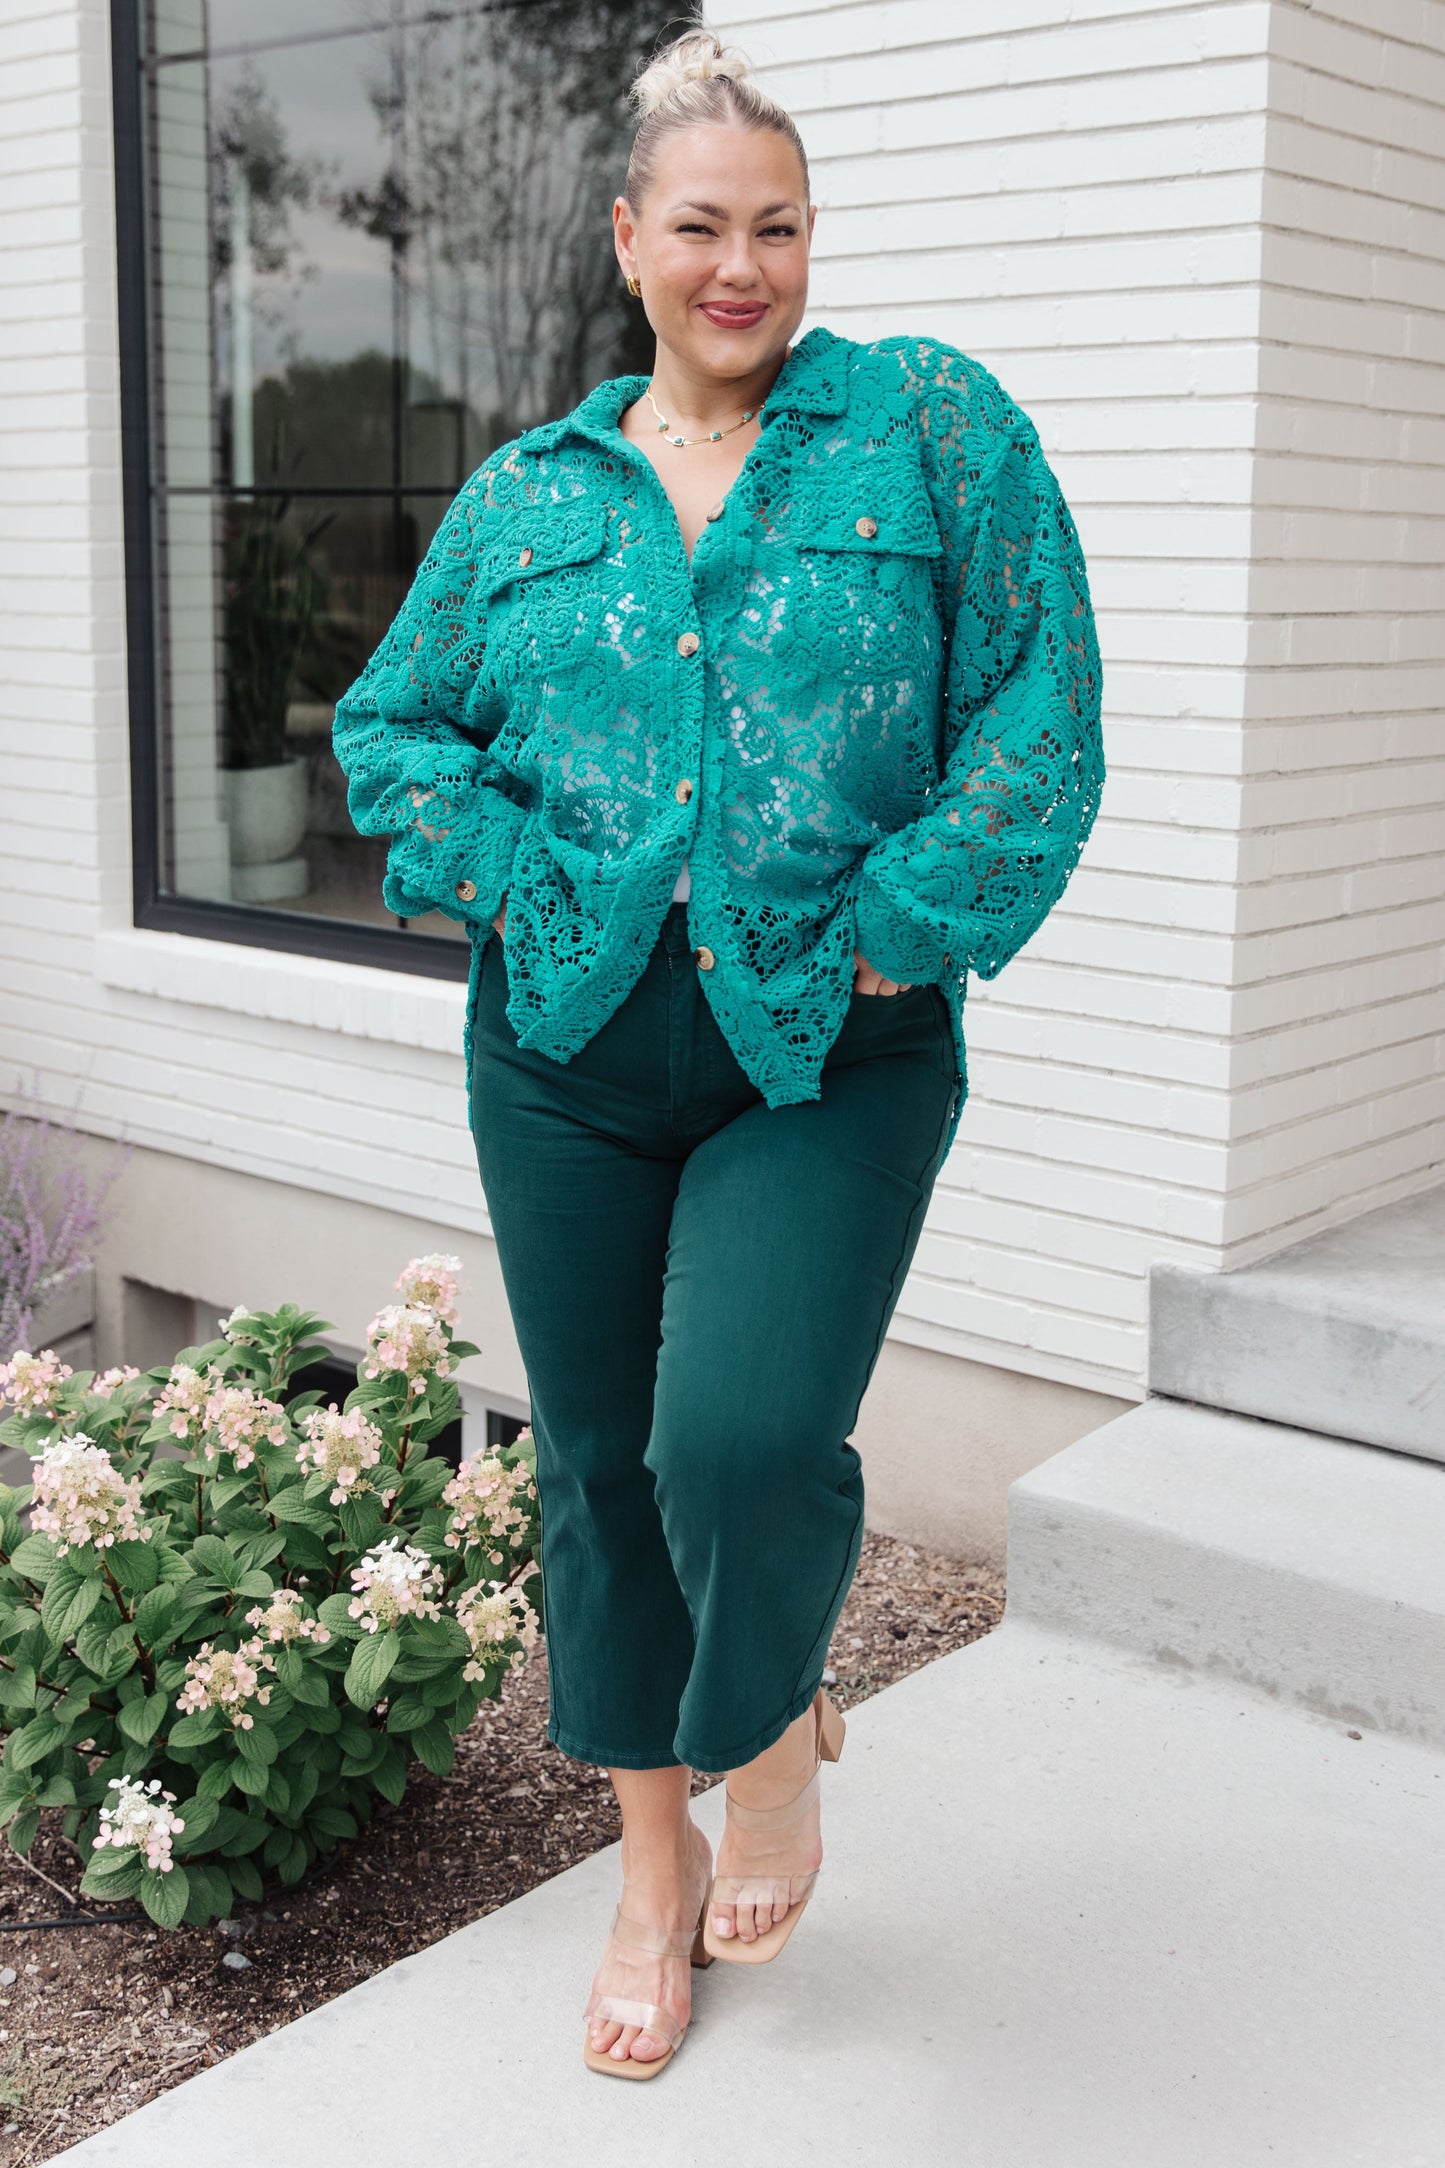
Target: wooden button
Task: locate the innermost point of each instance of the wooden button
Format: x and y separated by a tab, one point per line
688	643
466	891
717	510
524	557
866	527
683	791
705	959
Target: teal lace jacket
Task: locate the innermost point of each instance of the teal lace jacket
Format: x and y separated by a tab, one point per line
867	714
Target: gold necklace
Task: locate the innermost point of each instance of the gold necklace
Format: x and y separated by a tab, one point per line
714	436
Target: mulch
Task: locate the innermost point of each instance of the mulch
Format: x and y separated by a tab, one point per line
95	2020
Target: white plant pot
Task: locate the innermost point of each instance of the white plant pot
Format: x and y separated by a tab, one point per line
266	814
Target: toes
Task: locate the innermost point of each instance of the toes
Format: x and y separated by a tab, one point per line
647	2047
622	2047
724	1920
602	2036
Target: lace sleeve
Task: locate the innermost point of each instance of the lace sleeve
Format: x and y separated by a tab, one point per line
972	878
411	737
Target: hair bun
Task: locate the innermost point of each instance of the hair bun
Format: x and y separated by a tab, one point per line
696	57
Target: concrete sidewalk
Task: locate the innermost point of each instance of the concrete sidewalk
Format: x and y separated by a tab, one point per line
1078	1912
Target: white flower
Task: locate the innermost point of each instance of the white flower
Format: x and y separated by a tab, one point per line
82	1498
141	1816
430	1283
497	1621
409	1339
394	1582
340	1446
483	1496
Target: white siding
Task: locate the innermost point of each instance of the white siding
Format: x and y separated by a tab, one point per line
1204	246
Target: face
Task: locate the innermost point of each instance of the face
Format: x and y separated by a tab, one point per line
720	243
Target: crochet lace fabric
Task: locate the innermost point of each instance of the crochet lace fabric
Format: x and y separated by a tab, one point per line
867	715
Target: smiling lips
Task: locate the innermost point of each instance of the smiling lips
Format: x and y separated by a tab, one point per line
734	316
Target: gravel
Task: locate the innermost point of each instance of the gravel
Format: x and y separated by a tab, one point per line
95	2020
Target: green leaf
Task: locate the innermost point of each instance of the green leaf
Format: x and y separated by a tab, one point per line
165	1896
70	1597
370	1667
257	1745
302	1680
36	1559
215	1558
254	1584
334	1614
406	1711
389	1775
141	1720
112	1884
245	1879
435	1747
214	1780
296	1861
333	1823
92	1646
277	1796
294	1508
34	1741
197	1729
57	1791
158	1615
23	1830
135	1565
199	1815
250	1777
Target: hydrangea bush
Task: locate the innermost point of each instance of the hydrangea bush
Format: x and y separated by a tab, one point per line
239	1615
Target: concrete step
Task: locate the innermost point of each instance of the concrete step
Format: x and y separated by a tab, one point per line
1343	1333
1306	1568
1079	1911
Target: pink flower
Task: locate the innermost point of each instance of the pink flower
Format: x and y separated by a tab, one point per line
394	1582
226	1679
340	1446
408	1339
140	1816
183	1397
237	1419
483	1497
430	1283
110	1381
496	1621
82	1498
282	1619
28	1382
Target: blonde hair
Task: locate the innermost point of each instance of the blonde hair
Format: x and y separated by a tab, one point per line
698	79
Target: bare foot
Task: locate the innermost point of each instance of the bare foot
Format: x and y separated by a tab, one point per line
772	1864
666	1893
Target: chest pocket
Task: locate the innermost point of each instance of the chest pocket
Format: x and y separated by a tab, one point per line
535	543
868	554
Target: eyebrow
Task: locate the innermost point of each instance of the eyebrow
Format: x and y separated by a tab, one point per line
711	210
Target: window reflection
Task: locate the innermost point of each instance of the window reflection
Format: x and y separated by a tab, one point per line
379	246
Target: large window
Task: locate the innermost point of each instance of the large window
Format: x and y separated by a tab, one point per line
362	243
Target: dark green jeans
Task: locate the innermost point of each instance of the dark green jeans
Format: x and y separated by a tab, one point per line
700	1285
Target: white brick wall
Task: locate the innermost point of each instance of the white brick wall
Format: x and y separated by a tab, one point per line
1205	247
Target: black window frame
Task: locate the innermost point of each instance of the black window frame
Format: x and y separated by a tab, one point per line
418	955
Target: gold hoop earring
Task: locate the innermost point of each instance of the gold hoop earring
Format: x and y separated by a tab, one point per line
634	285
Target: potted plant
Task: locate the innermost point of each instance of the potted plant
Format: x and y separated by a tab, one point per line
272	592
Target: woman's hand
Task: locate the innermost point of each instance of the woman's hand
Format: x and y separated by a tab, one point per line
499	923
868	981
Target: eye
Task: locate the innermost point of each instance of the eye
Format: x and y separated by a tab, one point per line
694	225
785	230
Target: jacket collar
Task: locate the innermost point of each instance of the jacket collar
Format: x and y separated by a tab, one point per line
813	380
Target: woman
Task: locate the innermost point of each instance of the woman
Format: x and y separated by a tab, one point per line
753	705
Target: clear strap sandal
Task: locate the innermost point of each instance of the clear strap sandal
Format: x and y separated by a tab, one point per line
652	2017
793	1890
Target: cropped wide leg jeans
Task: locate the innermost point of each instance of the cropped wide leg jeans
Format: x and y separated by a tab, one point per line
700	1286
